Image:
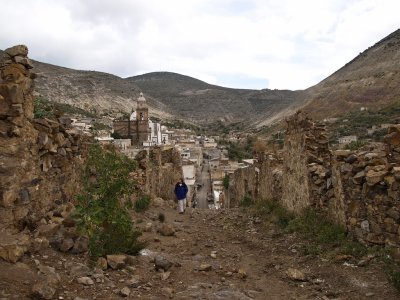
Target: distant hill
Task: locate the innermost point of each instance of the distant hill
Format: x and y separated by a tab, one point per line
203	103
372	79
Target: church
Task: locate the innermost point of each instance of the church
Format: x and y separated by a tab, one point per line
136	127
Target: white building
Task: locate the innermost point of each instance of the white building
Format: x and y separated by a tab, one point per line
155	133
347	139
123	144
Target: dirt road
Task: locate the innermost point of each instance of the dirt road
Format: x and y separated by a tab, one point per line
212	254
204	180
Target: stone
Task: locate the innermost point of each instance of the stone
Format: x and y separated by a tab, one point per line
161	263
242	273
85	280
42	290
101	263
205	267
374	177
13	247
164	275
167	230
213	254
168	292
295	274
39	244
125	292
358	178
81	245
19	50
365	226
78	269
158	202
66	244
134	281
148	227
116	262
393	213
48	230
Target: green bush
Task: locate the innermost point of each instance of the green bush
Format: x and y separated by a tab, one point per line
355	145
225	182
142	203
272	211
246	201
102	211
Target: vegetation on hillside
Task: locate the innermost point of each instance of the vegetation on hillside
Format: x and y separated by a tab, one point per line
102	212
44	108
357	123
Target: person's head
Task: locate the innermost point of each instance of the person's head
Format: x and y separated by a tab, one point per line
181	180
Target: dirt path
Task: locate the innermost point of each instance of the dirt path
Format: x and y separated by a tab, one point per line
212	255
204	180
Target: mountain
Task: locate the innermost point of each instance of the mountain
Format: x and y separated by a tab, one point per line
202	103
369	80
94	91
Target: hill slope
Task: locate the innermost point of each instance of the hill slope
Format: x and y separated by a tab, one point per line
369	80
204	103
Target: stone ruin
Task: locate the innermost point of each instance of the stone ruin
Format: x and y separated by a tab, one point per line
40	161
359	190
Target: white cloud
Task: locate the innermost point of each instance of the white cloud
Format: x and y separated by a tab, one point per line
285	44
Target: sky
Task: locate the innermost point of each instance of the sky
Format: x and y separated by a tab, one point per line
256	44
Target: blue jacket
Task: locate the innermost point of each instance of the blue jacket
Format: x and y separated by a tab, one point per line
181	191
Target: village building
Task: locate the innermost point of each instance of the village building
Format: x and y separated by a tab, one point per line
136	128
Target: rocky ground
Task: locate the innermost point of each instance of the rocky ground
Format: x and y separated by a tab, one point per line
202	254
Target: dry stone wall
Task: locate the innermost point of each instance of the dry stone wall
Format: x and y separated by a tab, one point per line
359	190
40	159
159	170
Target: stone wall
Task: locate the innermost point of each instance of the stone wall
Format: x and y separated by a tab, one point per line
159	171
269	177
242	183
358	190
40	159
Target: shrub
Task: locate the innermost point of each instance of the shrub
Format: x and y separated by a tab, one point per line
102	211
225	182
272	211
355	145
142	203
161	217
246	201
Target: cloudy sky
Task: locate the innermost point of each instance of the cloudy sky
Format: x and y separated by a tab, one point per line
283	44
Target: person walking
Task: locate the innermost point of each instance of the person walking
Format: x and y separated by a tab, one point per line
181	190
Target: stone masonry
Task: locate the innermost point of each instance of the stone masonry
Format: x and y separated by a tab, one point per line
39	158
359	190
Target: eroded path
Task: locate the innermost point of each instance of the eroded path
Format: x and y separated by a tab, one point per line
209	255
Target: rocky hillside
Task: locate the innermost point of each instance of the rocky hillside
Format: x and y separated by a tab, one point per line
201	102
93	91
369	80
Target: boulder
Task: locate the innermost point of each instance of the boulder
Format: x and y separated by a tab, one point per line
13	247
161	263
81	245
116	262
167	230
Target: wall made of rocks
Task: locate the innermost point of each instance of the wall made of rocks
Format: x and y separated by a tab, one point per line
243	182
40	159
159	171
269	177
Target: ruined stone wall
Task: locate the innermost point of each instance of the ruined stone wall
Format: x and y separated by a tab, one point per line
40	159
306	165
359	190
242	183
159	171
369	193
269	177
